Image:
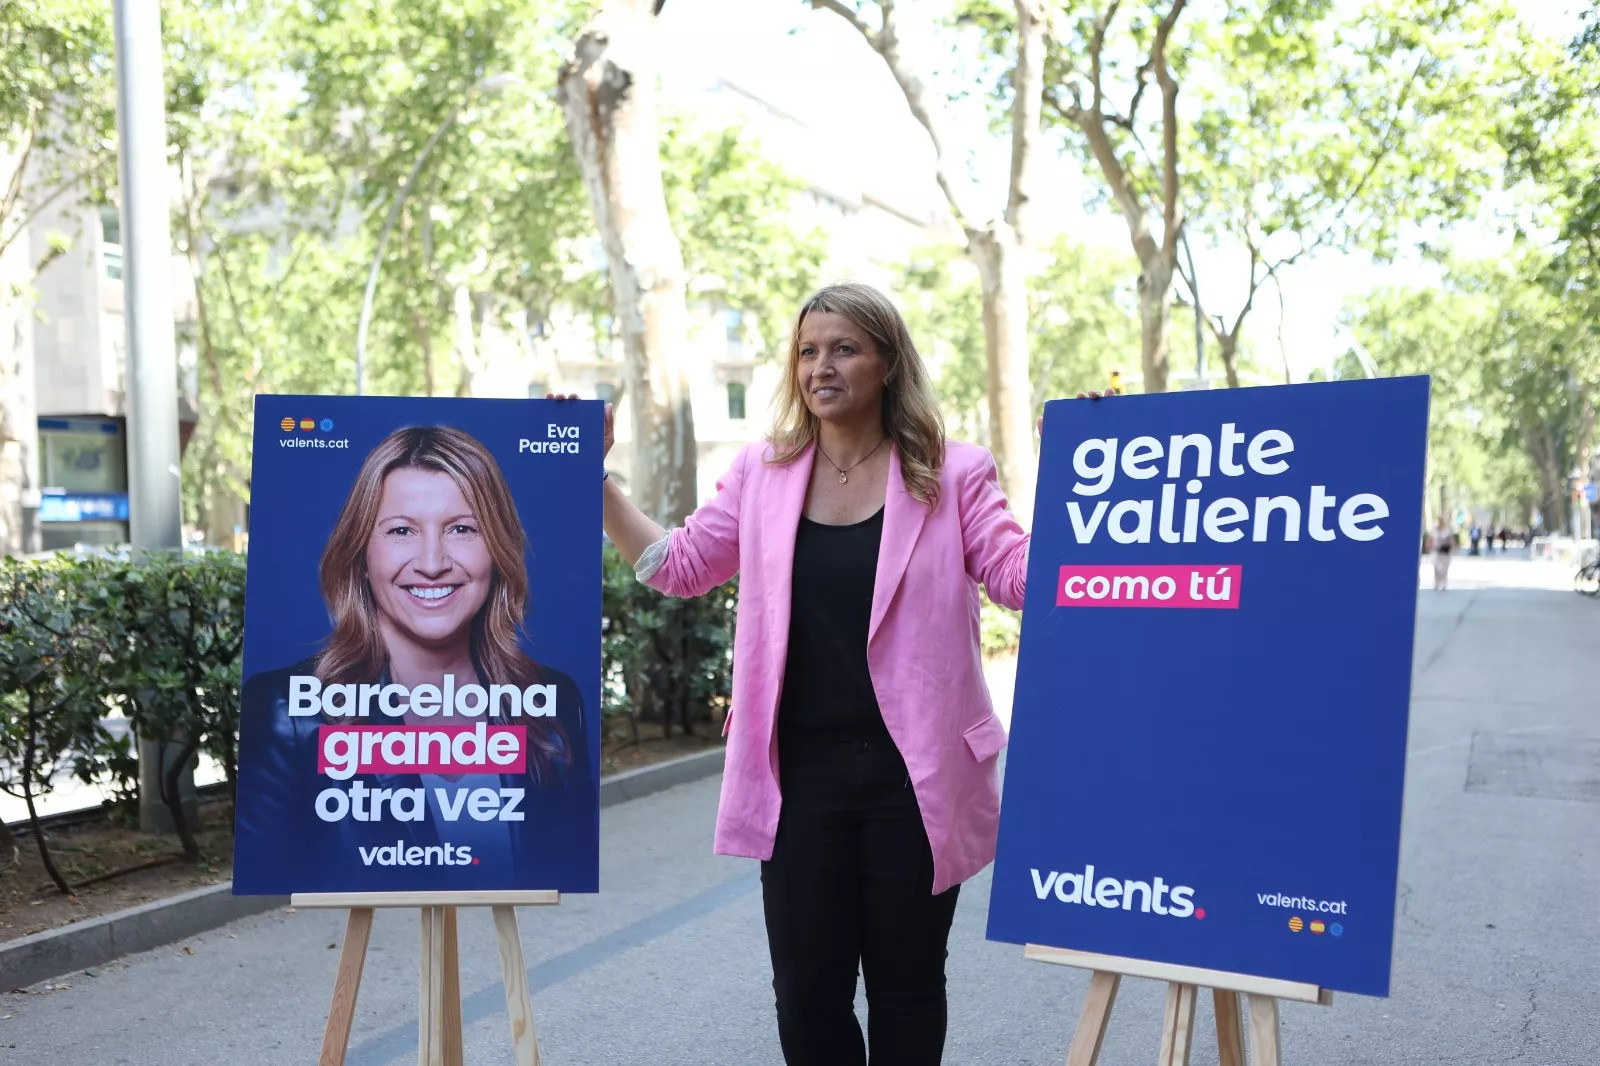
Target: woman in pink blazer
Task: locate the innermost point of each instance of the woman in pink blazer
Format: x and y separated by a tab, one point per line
862	747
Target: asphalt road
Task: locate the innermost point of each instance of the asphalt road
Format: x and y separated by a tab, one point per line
1496	963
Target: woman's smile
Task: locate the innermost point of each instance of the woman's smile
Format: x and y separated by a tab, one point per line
432	595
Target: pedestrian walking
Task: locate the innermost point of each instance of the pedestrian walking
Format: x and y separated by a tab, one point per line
862	747
1476	535
1444	542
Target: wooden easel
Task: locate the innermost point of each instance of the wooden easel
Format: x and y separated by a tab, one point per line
1183	986
439	1000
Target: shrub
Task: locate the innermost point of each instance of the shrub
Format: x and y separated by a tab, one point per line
53	644
174	624
1000	630
665	660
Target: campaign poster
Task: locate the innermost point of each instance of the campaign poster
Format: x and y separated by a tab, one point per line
1208	743
421	703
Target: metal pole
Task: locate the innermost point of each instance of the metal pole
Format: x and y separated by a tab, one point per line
155	502
383	243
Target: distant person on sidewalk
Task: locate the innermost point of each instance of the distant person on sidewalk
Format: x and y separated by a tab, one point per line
862	748
1444	542
1476	535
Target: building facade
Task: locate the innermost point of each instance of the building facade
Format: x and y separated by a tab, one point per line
79	354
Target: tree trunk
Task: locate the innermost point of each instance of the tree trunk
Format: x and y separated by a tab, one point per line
465	338
28	751
1155	319
1005	341
172	796
607	93
419	329
1228	344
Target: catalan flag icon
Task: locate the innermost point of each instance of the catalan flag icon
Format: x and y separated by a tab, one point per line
287	424
1295	924
307	424
1318	927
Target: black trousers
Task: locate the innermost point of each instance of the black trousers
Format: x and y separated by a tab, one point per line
850	885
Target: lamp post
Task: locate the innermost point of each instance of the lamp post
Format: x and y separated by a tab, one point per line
155	508
491	84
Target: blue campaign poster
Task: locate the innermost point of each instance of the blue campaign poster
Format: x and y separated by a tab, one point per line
1208	742
421	704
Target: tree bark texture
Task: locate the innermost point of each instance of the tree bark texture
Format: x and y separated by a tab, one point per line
998	247
1157	252
607	94
1003	274
1228	344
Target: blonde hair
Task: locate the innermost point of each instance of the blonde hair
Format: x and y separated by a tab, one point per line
910	413
355	651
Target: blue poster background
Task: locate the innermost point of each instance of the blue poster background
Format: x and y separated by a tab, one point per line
1254	756
297	494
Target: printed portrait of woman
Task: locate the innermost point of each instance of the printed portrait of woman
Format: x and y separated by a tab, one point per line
426	582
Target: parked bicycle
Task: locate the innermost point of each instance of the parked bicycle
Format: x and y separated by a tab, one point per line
1587	579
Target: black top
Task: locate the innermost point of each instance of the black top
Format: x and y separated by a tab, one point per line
827	690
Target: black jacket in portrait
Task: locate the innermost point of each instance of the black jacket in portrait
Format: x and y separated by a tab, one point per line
283	846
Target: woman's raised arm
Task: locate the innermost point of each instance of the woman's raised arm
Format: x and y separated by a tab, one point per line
690	561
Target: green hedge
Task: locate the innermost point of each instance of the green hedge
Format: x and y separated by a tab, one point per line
157	640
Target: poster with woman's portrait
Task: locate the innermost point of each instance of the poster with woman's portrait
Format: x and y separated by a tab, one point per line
421	701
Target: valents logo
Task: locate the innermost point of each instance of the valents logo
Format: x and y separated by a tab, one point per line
1112	893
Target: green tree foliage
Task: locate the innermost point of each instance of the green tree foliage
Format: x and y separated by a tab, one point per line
296	128
1440	332
1082	319
57	112
729	208
1325	127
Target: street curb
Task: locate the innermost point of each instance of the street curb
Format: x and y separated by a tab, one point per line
634	784
150	925
95	941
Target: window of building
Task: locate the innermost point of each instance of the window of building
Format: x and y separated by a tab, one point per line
733	327
537	389
111	242
735	400
81	456
605	392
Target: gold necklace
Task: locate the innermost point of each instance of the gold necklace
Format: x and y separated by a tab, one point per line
842	472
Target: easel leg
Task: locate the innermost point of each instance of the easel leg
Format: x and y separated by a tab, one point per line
1230	1030
1091	1031
518	1005
452	990
431	1030
1264	1045
1177	1028
342	1012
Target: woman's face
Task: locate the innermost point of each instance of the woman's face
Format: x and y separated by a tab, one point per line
427	562
840	370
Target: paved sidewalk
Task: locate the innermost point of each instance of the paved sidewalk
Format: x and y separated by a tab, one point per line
1496	961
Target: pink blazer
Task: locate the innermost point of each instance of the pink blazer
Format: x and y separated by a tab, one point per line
922	646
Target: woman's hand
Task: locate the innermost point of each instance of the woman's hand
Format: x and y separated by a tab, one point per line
610	436
1091	395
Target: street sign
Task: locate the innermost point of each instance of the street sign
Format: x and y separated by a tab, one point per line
1209	731
421	701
